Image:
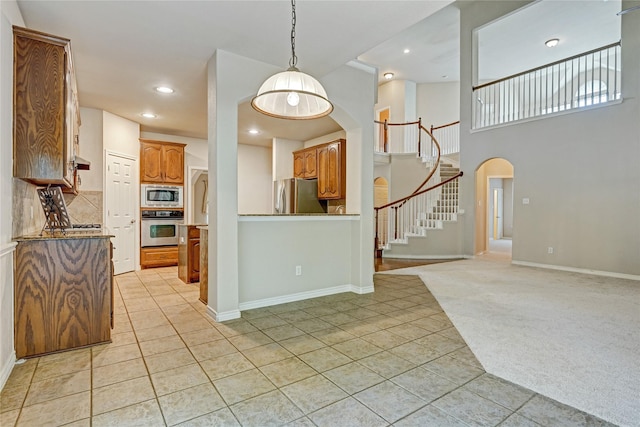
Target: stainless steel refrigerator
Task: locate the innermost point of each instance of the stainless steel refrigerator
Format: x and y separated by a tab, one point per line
296	195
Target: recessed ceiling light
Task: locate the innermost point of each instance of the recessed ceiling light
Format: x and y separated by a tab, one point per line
149	115
552	42
254	131
164	89
388	76
407	50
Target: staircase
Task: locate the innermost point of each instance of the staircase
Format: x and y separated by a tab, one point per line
402	225
446	205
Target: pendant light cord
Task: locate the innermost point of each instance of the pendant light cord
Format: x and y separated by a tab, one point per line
294	59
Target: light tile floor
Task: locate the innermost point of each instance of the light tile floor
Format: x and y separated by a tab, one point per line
387	358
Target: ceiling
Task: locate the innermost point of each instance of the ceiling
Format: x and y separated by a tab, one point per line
124	49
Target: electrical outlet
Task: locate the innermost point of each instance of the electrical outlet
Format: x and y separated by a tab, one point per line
549	250
298	270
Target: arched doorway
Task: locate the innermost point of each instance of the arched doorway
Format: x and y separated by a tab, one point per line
494	208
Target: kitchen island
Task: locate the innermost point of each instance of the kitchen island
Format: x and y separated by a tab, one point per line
63	292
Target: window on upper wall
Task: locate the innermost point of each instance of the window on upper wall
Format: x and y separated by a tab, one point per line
548	57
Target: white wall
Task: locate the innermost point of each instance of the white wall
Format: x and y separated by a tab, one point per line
321	247
120	135
325	138
91	148
282	151
255	183
438	103
579	170
10	16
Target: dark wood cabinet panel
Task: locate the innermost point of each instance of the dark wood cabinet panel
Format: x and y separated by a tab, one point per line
304	163
151	163
298	165
204	265
173	164
161	162
331	170
159	256
62	294
46	111
189	253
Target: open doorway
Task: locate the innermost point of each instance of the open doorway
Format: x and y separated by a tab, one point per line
197	195
494	208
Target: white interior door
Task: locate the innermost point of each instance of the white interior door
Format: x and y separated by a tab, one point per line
121	206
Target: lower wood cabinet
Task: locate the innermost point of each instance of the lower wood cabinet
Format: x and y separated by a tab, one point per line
158	256
204	265
63	294
189	253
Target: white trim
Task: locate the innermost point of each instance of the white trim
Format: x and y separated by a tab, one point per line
267	302
298	217
578	270
224	316
188	205
8	248
400	256
7	367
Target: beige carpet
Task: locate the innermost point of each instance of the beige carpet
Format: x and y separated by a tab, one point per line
572	337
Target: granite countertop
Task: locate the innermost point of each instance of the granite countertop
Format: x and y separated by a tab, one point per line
85	234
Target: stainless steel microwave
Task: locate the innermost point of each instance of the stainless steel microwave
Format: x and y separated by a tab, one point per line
161	196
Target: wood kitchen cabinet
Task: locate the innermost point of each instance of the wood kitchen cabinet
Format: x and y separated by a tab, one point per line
332	176
158	256
305	164
161	162
189	253
63	296
46	110
204	264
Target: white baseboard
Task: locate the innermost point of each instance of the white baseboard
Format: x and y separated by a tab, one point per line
457	256
578	270
305	295
7	367
224	316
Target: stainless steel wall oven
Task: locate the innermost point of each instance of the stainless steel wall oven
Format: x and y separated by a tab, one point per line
160	227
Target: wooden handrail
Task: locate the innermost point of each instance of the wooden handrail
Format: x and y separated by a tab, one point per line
551	64
410	196
444	126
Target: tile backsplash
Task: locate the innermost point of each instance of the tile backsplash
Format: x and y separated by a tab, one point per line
28	217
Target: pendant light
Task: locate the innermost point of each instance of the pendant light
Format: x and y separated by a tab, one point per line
292	94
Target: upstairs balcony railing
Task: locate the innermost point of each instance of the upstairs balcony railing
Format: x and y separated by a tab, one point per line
579	81
397	138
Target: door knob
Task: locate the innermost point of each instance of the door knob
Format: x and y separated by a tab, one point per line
133	220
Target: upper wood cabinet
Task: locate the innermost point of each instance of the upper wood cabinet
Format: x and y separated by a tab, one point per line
46	110
304	163
332	176
161	162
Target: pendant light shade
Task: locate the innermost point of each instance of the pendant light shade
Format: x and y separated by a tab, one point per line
292	94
